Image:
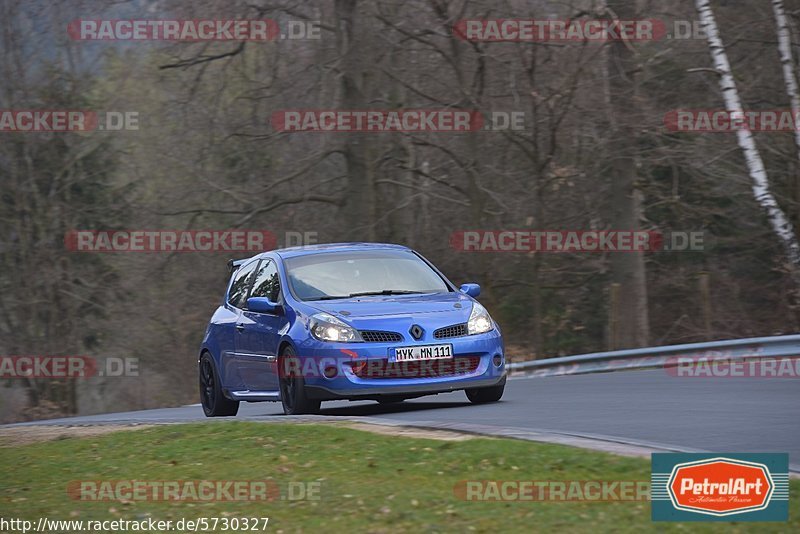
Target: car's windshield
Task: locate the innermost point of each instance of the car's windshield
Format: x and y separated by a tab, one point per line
349	274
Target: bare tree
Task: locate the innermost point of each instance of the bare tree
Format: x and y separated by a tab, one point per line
780	224
629	319
787	63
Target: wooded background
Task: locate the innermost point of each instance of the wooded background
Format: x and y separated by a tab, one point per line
595	154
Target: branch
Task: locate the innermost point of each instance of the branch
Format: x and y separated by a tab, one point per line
186	63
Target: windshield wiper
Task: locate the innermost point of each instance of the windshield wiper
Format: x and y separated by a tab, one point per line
385	292
369	293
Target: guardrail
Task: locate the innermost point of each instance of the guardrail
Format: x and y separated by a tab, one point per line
666	356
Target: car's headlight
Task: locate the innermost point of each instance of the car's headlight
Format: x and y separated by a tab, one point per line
479	320
326	327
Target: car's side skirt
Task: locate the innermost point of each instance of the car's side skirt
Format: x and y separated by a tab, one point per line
254	395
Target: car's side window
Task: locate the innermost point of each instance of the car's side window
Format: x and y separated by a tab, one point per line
267	282
241	284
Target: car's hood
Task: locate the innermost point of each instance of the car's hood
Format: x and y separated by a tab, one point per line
454	303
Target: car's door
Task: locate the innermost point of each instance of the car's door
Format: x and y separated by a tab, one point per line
260	335
232	378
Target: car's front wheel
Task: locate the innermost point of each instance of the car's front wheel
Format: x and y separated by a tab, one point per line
484	395
293	388
215	404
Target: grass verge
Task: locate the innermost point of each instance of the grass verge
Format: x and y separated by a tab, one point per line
367	482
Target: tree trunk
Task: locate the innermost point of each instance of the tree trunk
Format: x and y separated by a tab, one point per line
758	174
359	203
627	268
787	63
785	50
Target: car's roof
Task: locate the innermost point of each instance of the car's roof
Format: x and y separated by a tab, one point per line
335	247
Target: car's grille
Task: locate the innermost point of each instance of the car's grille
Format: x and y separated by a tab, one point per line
456	330
383	368
376	336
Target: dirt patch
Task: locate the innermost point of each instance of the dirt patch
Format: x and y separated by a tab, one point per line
410	432
12	437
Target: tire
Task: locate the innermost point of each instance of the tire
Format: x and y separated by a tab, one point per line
215	404
485	395
293	388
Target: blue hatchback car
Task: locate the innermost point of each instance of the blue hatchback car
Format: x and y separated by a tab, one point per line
348	321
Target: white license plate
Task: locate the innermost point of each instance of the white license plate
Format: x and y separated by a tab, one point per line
423	352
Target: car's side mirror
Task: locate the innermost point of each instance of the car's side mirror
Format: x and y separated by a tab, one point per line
262	305
473	290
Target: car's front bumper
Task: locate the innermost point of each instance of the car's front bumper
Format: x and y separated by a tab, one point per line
347	384
405	391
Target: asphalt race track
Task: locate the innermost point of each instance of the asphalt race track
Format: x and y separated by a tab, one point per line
645	409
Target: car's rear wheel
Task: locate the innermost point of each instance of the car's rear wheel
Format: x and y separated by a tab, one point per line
294	396
215	404
484	395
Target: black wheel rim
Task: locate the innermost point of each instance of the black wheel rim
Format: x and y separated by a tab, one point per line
289	385
207	384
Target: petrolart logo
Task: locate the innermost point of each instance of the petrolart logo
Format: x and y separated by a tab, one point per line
720	487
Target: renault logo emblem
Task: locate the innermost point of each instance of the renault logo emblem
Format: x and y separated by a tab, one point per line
416	332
